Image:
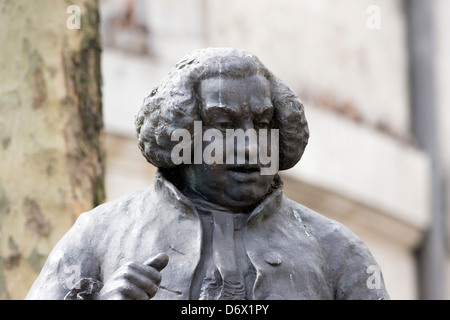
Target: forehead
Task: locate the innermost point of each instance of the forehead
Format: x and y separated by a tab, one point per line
235	93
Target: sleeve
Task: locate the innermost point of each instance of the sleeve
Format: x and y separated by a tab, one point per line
356	274
70	261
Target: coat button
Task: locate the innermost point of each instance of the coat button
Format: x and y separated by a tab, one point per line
272	258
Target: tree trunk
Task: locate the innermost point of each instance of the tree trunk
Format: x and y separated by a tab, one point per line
51	156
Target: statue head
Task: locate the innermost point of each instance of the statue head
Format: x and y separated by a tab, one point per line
209	92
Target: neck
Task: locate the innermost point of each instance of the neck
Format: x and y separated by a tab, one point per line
202	201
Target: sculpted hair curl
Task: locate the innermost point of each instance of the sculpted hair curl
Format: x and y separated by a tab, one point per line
174	104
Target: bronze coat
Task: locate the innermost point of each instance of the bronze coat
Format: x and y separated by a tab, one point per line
296	252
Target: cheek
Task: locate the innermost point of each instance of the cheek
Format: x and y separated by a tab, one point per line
210	177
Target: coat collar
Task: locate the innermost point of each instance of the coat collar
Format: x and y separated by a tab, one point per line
173	195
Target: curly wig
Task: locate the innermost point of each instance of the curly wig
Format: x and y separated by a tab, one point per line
174	104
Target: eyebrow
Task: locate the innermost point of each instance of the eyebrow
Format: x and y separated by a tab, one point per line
218	111
221	110
266	110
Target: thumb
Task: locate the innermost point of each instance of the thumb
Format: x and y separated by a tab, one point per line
158	262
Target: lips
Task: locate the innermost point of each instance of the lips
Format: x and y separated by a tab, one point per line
244	174
244	169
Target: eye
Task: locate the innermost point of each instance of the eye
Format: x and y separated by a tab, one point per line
262	123
263	120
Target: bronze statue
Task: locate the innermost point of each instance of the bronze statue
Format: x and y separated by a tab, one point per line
215	224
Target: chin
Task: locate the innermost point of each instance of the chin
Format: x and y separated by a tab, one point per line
245	197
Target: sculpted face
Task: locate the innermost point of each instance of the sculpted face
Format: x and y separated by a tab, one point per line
233	103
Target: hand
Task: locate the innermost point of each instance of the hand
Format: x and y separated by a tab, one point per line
134	280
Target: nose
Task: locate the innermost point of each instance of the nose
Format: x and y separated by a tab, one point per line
251	150
250	145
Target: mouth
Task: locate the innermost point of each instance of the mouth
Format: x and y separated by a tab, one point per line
244	169
245	174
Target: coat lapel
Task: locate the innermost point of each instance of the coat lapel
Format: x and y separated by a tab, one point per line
178	234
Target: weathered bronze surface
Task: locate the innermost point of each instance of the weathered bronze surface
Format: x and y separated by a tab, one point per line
211	227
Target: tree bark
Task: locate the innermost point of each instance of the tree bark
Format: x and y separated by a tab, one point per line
51	131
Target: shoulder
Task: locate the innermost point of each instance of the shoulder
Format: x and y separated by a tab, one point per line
333	238
95	224
120	208
325	229
349	260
